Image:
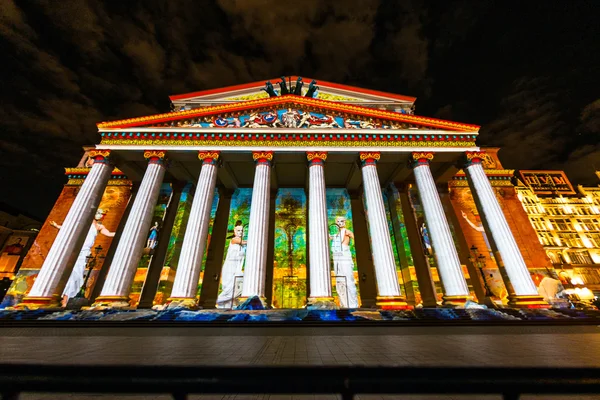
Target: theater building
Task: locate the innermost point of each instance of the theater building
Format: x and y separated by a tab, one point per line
294	195
567	223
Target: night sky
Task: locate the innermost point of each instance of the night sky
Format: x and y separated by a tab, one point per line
528	72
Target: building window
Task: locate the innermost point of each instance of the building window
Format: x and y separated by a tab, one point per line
571	239
580	257
563	225
590	276
546	239
595	239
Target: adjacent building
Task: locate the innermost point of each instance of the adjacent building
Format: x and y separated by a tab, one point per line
567	223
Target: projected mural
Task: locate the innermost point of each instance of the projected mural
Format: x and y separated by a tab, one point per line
158	216
167	275
232	275
343	254
289	264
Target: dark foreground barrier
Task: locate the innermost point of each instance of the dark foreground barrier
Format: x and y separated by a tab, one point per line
179	381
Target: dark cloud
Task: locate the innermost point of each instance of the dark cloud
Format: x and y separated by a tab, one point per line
527	77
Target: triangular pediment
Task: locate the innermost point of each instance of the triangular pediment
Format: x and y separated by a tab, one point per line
291	112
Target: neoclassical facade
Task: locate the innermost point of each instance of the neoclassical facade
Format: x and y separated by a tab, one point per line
319	194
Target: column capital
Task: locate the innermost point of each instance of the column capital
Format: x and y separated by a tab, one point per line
209	157
316	157
472	157
155	156
100	156
369	158
262	157
420	158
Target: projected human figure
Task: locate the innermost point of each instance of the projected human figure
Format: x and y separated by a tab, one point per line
343	265
479	228
76	278
232	267
152	237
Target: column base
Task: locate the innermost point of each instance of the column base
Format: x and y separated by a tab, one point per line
34	303
392	303
253	303
182	302
527	301
457	301
111	302
321	303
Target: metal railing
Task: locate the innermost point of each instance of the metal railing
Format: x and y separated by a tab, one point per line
179	381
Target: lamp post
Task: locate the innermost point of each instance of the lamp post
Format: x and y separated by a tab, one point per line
479	261
91	263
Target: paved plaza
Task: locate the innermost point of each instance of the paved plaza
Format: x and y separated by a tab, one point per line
518	346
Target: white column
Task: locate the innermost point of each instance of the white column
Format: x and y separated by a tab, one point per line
72	232
196	233
318	233
258	229
444	249
381	242
115	291
506	249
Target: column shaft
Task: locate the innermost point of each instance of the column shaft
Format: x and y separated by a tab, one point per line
196	233
422	269
318	237
388	288
506	250
115	292
72	233
448	263
216	249
256	253
160	253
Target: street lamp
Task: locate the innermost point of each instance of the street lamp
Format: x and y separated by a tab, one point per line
479	261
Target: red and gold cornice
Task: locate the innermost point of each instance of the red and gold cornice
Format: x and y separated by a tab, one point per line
77	177
222	137
290	101
85	171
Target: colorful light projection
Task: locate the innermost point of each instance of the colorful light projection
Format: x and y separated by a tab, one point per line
114	201
158	216
232	277
169	269
167	275
213	212
342	251
289	261
393	206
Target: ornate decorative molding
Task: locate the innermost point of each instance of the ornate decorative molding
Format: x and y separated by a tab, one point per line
209	142
316	156
262	156
370	156
292	101
474	157
100	156
208	155
155	154
422	156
